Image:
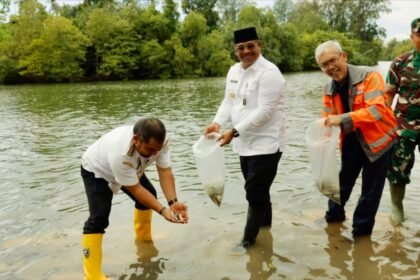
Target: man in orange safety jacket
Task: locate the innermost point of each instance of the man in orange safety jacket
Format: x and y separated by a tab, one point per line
354	100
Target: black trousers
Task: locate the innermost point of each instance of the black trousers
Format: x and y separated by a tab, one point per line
259	172
373	181
99	197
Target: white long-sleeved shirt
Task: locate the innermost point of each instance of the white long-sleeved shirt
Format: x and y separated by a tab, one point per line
255	104
109	159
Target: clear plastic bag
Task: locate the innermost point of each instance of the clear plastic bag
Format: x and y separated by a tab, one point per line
210	163
322	142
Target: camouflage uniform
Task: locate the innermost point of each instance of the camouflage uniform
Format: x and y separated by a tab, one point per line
404	76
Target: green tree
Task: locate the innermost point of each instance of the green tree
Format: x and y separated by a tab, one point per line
171	14
150	24
57	54
280	42
204	7
282	9
132	39
181	60
250	15
191	31
306	18
27	26
4	9
99	3
269	34
23	28
153	59
395	48
215	61
8	65
115	45
387	51
356	17
368	52
229	9
290	51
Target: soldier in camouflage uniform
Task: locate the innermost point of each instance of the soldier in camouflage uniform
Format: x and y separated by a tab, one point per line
404	79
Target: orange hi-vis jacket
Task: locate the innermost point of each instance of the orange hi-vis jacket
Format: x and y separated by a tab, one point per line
369	116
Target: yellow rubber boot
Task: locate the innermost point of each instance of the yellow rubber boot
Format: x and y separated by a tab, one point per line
92	256
397	192
143	224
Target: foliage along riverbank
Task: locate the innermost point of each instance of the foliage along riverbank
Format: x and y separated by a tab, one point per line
110	40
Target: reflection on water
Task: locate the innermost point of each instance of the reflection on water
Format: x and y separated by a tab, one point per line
260	264
44	130
369	258
148	265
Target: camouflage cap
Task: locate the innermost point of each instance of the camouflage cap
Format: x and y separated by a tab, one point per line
415	25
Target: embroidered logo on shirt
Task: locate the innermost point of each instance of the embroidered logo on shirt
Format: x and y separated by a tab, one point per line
234	81
232	95
128	163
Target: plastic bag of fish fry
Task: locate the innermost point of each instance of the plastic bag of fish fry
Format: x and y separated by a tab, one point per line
210	163
322	142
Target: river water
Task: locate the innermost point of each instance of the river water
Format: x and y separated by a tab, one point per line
44	130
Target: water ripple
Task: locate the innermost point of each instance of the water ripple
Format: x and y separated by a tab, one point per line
46	128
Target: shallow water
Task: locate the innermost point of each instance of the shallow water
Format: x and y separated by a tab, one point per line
44	130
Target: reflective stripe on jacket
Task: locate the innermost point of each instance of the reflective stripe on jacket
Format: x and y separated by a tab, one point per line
369	116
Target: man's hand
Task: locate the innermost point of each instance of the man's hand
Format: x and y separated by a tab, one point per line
180	211
333	120
226	137
213	127
173	216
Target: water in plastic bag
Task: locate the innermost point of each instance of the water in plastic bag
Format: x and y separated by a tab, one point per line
210	163
322	142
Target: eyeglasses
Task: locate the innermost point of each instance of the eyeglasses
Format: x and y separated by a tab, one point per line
250	46
333	61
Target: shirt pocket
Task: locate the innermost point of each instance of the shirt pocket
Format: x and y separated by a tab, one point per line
251	94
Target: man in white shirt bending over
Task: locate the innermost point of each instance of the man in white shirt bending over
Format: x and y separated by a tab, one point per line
117	161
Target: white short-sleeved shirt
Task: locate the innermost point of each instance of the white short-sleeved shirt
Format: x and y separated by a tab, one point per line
108	158
254	102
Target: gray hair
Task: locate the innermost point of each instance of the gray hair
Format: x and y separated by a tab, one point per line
148	128
332	44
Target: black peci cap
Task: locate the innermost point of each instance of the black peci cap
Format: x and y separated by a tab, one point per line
245	35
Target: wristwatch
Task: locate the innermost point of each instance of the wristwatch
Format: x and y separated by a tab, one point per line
235	132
